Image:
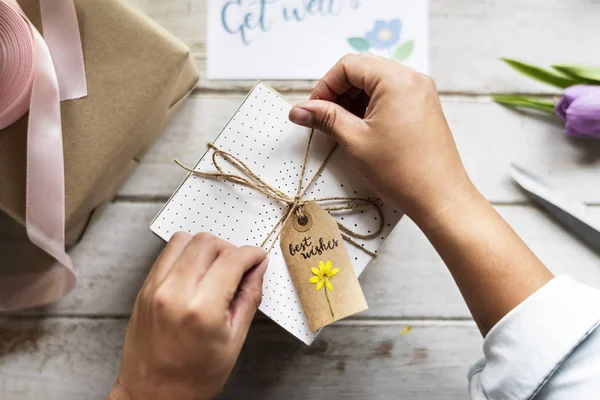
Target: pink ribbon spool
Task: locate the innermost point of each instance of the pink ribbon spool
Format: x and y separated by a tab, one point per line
34	76
16	65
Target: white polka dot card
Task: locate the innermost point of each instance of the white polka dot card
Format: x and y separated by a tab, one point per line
302	39
273	149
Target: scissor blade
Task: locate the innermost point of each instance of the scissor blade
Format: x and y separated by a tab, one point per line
574	215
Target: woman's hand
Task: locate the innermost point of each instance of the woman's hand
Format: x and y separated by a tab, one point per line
389	118
190	319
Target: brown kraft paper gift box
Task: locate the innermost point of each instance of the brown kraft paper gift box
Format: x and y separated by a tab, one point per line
138	75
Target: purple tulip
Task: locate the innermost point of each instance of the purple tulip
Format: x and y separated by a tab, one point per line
580	107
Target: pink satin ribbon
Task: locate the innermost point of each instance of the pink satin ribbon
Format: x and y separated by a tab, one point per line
35	75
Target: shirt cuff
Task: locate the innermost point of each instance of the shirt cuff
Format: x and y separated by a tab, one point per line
525	348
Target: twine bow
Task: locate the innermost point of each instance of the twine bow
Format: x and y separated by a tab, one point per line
295	203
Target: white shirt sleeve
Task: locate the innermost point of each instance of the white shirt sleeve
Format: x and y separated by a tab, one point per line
548	347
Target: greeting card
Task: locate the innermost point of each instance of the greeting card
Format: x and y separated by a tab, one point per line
267	182
302	39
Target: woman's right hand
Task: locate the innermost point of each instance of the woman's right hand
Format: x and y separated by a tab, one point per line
390	120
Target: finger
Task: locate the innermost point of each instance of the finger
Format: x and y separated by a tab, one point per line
167	257
330	118
200	253
229	268
248	298
350	71
354	92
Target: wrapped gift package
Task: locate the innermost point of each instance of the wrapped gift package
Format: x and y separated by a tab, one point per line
261	137
138	75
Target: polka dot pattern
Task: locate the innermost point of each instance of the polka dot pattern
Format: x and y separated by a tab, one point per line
261	135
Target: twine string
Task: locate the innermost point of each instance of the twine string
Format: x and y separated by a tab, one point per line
294	204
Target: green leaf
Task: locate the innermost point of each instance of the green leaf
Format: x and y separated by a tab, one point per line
540	74
582	74
359	44
403	52
526	102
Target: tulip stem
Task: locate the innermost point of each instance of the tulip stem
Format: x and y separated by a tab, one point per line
525	102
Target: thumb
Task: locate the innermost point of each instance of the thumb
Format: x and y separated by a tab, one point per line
248	298
330	118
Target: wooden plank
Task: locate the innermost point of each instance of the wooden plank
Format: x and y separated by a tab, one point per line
467	38
489	138
73	359
407	280
112	260
65	359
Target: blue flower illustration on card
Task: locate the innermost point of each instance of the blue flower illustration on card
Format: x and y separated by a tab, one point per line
385	36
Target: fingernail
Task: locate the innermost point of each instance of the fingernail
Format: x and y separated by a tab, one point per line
262	267
302	117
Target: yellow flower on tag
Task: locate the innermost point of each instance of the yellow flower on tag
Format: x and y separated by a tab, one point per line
322	277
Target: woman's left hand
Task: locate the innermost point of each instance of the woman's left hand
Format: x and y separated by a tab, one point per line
190	319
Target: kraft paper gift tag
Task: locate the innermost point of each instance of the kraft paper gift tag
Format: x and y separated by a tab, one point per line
318	262
261	135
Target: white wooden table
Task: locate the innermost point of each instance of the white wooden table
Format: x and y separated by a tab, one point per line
71	350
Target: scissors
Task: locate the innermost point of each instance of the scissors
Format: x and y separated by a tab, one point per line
576	216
